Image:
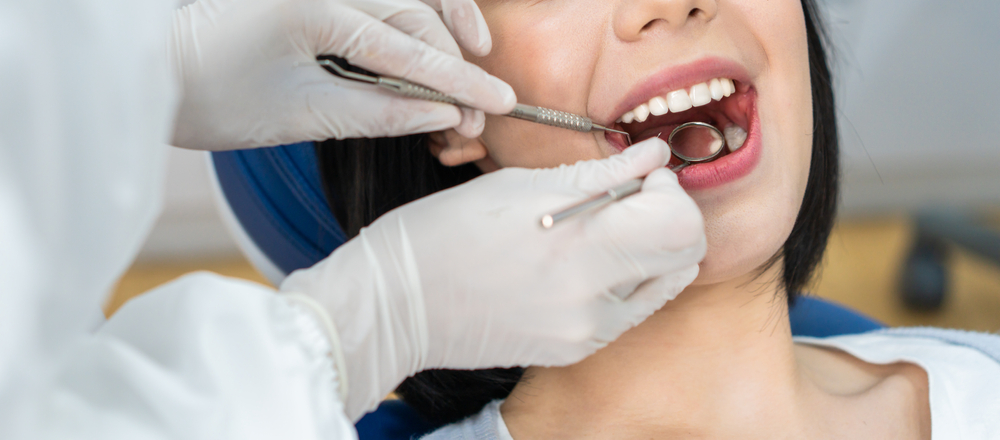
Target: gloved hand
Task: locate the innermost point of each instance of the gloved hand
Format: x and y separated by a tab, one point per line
248	76
467	277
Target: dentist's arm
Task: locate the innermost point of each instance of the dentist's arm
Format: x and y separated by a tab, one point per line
248	75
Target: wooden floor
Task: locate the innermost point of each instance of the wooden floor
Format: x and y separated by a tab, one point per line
860	270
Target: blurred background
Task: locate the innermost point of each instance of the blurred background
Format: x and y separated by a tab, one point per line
918	240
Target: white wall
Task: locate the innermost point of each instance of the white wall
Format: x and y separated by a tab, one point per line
190	226
919	101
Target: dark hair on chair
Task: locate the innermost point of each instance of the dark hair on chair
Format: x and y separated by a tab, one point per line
365	178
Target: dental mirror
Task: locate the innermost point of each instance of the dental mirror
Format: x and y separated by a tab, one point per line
692	142
695	142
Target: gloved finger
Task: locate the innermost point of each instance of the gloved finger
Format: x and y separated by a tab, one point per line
595	176
378	47
656	292
415	18
405	118
428	29
663	203
466	23
376	112
662	216
473	122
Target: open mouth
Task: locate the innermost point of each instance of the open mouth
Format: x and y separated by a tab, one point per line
722	102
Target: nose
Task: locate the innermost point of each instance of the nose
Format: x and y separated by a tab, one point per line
636	18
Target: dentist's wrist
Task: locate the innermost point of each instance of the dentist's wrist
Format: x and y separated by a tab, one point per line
361	291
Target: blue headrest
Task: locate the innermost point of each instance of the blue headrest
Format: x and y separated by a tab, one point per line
276	195
819	318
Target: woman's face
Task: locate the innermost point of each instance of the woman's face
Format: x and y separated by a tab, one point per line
606	59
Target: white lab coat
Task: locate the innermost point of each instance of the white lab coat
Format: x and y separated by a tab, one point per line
86	102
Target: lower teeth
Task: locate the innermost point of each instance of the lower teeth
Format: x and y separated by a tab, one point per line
735	136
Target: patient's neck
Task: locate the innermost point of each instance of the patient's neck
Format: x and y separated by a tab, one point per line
719	350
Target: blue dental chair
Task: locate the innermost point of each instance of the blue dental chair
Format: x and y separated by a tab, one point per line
273	202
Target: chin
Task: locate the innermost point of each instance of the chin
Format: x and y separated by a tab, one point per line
719	268
740	245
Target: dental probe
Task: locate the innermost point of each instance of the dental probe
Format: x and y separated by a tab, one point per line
617	193
632	186
539	115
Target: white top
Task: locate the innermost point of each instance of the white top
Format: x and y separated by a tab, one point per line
964	385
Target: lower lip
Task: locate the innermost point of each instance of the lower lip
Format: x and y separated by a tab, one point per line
725	169
729	167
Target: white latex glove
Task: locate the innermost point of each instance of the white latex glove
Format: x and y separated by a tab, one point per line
467	277
248	80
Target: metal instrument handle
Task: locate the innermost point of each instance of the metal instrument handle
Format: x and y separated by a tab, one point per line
554	118
617	193
416	91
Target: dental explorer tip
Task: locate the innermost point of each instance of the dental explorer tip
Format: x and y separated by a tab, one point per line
627	137
601	127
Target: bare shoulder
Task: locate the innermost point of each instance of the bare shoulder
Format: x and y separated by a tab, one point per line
895	396
841	373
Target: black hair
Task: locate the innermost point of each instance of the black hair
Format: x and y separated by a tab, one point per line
804	248
365	178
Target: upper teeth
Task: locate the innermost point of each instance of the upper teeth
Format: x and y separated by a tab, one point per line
681	100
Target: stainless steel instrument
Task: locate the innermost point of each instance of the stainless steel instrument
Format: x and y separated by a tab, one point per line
716	142
539	115
706	149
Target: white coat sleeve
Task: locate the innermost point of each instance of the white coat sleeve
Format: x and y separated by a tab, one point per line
86	102
204	357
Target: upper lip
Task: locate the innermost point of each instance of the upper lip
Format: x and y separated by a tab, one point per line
675	78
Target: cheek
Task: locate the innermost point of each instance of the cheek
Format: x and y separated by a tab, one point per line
750	223
549	62
743	235
745	231
533	54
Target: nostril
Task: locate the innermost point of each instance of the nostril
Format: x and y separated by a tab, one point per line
693	13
